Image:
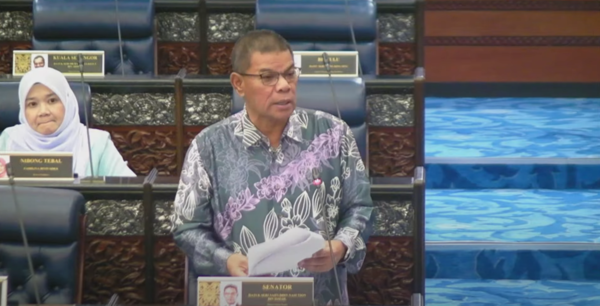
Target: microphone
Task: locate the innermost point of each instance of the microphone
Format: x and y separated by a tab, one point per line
11	181
85	110
351	26
327	62
113	300
317	180
119	33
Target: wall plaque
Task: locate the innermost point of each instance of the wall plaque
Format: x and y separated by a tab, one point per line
255	291
34	166
66	62
342	63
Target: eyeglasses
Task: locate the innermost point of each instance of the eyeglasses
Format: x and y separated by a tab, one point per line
270	78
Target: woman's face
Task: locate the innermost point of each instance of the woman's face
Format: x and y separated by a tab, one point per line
44	111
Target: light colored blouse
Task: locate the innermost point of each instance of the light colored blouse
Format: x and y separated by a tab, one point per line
106	158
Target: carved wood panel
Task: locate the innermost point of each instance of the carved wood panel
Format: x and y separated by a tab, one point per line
146	147
170	272
113	265
190	133
6	56
173	56
386	276
219	58
397	59
391	151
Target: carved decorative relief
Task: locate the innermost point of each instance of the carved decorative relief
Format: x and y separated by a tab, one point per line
114	265
6	53
397	59
386	275
219	58
170	272
391	151
190	133
145	148
172	56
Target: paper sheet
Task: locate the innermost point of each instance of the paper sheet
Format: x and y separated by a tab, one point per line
284	252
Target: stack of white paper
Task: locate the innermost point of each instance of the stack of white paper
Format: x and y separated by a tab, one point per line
284	252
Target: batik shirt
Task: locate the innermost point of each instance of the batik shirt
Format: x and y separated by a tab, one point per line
236	191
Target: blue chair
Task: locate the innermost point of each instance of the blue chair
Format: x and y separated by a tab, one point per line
92	25
324	25
54	221
9	102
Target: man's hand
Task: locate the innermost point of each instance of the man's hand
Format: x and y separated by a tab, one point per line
237	265
321	260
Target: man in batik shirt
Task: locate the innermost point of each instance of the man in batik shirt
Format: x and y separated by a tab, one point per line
270	168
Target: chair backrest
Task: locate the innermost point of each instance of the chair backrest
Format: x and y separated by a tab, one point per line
9	102
324	25
55	229
316	94
92	25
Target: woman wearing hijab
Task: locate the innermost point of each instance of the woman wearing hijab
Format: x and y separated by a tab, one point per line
49	117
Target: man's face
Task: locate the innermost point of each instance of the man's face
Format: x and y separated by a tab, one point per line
230	295
268	86
38	62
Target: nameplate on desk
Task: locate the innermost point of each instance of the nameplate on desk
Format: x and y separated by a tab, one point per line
3	290
341	63
66	62
255	291
33	166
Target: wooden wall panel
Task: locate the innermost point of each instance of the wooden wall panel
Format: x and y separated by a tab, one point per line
146	147
512	64
512	23
512	41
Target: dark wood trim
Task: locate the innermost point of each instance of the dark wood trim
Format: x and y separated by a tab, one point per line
149	269
419	117
203	30
420	32
512	5
419	272
179	122
541	41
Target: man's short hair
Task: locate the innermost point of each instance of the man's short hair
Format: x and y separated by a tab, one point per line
230	286
262	41
39	56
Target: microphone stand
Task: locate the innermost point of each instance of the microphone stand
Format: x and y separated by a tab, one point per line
327	63
80	61
11	181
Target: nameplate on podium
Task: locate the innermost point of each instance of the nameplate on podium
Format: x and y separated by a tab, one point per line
341	63
255	291
3	290
37	166
66	62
